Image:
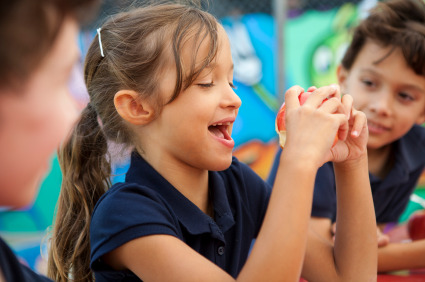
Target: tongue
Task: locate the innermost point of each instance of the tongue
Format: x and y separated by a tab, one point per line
216	131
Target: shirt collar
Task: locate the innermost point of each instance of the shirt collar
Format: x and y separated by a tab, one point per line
409	153
189	215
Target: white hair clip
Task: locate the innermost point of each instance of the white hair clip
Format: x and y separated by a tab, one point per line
100	42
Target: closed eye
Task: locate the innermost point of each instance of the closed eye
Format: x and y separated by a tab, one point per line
206	85
232	85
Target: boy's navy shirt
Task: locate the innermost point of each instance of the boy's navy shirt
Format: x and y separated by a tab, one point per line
12	270
390	195
148	204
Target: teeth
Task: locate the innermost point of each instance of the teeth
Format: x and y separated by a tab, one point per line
221	123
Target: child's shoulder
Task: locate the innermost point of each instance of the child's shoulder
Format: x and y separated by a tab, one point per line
411	147
415	136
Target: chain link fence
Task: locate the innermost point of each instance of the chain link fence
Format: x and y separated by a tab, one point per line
223	8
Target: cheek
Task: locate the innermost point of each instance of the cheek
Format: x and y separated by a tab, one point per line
29	137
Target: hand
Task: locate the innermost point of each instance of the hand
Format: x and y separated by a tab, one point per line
311	127
352	143
382	238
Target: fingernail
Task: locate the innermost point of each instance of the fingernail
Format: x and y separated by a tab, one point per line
355	133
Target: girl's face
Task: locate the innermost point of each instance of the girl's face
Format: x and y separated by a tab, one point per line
389	92
35	120
195	129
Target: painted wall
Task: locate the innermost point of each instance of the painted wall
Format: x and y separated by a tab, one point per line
314	43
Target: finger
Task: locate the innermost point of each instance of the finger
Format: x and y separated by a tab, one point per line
333	229
383	240
311	88
321	94
343	126
347	102
359	122
333	105
291	96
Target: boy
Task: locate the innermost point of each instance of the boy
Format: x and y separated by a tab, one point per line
36	110
384	70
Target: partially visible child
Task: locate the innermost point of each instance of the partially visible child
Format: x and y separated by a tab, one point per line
37	52
384	70
160	81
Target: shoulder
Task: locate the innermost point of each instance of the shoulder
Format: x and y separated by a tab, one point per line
124	195
131	199
128	211
417	133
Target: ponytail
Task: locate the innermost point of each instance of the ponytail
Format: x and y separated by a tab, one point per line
86	174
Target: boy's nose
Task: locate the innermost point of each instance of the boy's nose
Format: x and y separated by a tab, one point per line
381	103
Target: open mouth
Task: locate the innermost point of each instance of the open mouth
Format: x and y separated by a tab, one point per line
220	130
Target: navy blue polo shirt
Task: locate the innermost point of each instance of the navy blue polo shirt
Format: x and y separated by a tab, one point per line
390	195
12	270
148	204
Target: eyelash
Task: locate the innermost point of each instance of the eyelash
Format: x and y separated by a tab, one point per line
405	96
208	85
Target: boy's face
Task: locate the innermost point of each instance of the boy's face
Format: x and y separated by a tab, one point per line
387	90
34	120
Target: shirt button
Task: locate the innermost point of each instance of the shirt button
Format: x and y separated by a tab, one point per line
220	250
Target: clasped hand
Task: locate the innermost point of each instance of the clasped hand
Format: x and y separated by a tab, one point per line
311	127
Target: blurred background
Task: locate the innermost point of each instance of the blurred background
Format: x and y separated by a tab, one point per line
275	44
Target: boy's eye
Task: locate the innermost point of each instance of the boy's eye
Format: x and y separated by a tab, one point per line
368	82
232	85
405	96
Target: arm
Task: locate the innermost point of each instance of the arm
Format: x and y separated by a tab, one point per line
280	247
353	255
400	256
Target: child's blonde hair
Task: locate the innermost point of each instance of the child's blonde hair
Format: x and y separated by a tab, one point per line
138	45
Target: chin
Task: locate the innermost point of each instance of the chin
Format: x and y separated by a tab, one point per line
221	164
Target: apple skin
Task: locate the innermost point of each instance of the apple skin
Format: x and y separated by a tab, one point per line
416	225
280	124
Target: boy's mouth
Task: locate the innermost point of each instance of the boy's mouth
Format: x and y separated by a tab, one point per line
376	128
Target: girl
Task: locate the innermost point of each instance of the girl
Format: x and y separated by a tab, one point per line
160	81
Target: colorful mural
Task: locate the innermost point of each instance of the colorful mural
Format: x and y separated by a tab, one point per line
314	43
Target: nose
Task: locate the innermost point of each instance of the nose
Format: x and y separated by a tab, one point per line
381	103
231	99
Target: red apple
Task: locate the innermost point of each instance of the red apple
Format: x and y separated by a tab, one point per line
416	225
280	124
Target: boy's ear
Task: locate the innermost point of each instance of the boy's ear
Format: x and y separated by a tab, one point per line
342	75
133	109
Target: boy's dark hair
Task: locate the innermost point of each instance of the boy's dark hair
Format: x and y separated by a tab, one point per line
396	23
28	29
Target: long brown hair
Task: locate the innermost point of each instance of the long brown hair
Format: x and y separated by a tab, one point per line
137	45
394	23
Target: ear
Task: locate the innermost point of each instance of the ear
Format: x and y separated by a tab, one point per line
342	75
132	108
